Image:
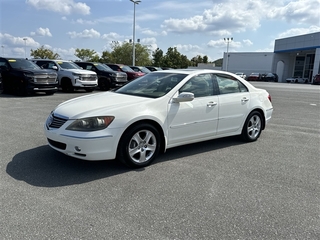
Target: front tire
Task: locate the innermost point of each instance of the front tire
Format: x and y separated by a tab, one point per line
139	145
67	86
252	127
104	84
89	89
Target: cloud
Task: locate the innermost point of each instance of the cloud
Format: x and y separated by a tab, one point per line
300	11
13	41
61	6
221	43
112	36
224	18
91	33
187	47
82	21
247	42
42	32
299	31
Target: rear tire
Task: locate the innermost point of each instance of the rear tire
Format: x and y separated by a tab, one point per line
252	127
139	145
50	92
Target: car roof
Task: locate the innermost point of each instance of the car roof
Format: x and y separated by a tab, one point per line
193	71
55	60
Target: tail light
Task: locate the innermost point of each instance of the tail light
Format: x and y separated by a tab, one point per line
269	97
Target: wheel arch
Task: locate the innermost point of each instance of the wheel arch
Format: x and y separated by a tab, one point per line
151	122
65	79
262	115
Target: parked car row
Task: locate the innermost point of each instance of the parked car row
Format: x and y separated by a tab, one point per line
297	79
21	76
266	77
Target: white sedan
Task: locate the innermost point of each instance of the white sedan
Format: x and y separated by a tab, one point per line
241	74
297	80
160	110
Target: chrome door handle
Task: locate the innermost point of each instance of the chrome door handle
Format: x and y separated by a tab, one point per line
211	104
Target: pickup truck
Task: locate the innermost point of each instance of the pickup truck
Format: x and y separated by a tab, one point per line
20	76
70	75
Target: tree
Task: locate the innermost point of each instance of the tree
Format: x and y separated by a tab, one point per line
122	53
86	54
175	59
205	59
44	53
218	62
106	57
157	57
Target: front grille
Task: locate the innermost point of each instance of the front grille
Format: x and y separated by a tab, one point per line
45	79
121	79
56	144
55	122
89	78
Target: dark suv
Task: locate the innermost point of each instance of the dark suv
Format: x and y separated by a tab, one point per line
126	69
21	76
107	78
316	79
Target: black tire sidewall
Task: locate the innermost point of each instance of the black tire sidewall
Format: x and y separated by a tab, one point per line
244	133
122	153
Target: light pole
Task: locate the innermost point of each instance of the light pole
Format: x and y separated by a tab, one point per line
227	40
25	47
134	31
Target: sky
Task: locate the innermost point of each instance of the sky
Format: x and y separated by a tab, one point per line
194	27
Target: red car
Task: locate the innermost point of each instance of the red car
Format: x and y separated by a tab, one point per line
316	79
131	74
254	77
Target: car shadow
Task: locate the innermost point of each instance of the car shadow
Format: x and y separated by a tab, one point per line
45	167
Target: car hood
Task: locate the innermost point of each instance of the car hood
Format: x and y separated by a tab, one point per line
37	72
99	104
80	71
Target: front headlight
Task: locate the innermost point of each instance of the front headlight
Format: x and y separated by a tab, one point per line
90	124
29	76
77	75
113	75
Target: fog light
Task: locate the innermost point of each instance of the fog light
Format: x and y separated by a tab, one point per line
78	149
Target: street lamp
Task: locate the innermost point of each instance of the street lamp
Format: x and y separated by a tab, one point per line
134	31
227	40
25	47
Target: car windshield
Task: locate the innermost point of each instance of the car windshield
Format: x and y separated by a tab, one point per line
152	85
144	69
126	68
102	67
23	64
68	65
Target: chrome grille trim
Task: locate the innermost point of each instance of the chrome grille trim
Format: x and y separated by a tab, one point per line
55	122
89	78
44	78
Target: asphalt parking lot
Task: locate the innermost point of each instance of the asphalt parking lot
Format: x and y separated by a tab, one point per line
219	189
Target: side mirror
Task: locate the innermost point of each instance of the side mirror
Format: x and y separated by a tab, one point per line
184	97
54	68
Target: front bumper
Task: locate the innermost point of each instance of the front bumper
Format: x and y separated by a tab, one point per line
100	145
